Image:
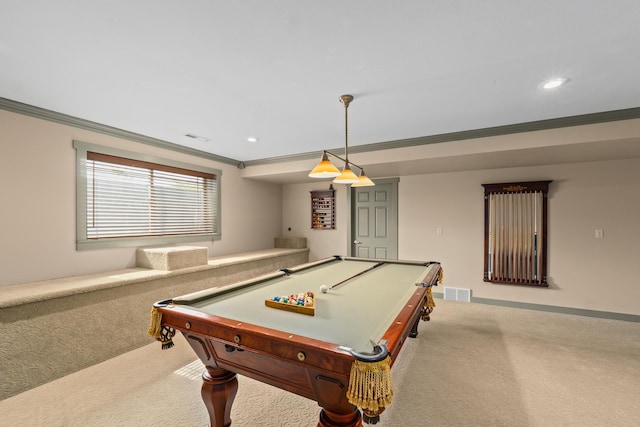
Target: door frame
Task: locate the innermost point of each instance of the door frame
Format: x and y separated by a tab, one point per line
352	216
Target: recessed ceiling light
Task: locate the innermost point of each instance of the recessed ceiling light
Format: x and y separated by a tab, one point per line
253	139
554	83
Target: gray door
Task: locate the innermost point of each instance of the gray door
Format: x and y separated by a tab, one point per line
375	220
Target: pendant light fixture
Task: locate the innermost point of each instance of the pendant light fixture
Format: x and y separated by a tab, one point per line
363	181
326	169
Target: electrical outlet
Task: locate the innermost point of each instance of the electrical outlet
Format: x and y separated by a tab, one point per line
599	233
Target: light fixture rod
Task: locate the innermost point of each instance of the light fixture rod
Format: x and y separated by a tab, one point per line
346	100
344	160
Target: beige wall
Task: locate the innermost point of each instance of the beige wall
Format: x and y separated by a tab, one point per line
37	219
297	216
37	199
584	272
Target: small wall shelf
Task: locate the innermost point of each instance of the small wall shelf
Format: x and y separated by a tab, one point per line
323	211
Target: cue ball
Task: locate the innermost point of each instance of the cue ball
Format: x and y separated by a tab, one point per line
323	289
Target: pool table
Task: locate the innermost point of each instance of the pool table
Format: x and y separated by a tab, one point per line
368	310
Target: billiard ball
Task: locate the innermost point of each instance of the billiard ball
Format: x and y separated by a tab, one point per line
324	289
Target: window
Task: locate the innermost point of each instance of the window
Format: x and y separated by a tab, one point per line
515	233
125	199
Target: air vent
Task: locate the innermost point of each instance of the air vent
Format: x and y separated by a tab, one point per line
457	294
197	137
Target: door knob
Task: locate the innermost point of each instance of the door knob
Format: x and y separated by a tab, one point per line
356	242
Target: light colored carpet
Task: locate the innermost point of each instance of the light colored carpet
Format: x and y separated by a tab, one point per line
471	365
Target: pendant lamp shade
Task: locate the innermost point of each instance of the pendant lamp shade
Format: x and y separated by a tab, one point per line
363	181
347	176
324	169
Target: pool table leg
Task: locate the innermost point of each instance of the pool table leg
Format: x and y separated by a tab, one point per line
332	419
337	411
219	388
424	315
414	329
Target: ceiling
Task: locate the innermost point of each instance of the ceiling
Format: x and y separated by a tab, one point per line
227	70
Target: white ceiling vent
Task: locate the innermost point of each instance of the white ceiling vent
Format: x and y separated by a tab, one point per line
197	137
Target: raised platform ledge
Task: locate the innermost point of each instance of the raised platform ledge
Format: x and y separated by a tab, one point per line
75	322
26	293
172	257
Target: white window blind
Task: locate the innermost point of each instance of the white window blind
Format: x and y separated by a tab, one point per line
133	198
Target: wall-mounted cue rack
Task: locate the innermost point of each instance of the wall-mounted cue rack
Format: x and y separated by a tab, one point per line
323	210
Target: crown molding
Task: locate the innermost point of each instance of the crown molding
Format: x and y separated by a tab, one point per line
562	122
53	116
579	120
